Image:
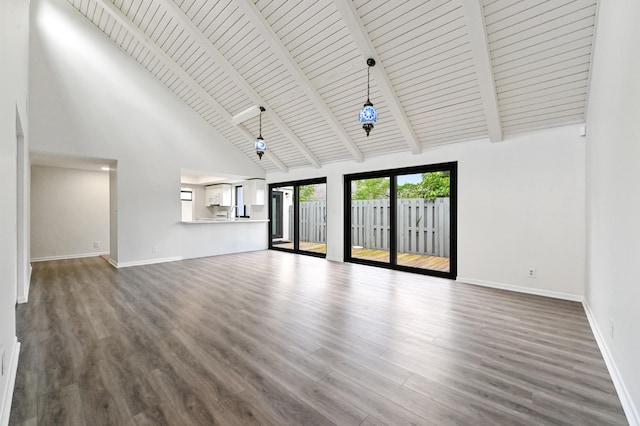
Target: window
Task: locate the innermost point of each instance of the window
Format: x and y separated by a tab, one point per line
403	219
186	195
242	209
186	200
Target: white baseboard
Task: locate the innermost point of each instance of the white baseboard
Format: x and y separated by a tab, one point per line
633	417
334	259
24	298
67	256
7	395
520	289
145	262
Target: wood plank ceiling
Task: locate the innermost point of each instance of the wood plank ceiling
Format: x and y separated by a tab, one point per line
447	70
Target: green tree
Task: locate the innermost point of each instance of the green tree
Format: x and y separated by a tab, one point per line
370	189
308	193
433	185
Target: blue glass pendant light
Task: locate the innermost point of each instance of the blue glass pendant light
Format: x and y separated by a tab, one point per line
260	144
368	113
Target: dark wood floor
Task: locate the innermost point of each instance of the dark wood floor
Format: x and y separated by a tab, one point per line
277	338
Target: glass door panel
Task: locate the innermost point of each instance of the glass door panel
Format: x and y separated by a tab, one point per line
370	219
282	217
423	220
312	218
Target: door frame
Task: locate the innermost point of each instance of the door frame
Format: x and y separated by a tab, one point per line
296	184
452	168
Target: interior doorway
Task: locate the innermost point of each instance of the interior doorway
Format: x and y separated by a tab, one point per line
73	208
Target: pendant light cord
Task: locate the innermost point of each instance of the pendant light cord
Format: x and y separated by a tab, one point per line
368	72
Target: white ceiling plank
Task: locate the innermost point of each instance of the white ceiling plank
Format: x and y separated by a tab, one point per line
169	63
581	47
232	73
541	69
536	16
251	11
474	18
549	30
573	72
539	58
571	89
529	127
350	15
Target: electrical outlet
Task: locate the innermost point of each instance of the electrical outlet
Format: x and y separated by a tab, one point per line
154	249
611	327
96	244
531	273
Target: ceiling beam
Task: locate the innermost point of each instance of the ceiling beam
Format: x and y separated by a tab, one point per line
262	26
195	33
477	30
359	33
142	38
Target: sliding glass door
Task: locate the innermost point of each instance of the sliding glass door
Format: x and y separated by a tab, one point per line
370	219
298	215
423	225
312	217
403	219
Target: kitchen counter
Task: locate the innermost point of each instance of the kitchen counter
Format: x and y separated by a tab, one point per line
218	221
239	235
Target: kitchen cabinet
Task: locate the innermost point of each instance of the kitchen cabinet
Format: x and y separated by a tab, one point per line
253	192
218	195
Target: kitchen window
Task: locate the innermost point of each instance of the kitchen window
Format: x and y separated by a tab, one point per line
242	210
186	200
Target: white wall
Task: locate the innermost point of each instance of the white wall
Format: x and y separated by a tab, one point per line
13	103
520	205
69	213
613	194
90	99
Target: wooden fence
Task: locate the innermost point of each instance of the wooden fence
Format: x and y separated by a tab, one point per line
313	221
423	226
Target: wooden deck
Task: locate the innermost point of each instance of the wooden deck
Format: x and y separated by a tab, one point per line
304	245
433	263
405	259
272	338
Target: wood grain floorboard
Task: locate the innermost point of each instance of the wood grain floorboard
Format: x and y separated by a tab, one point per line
273	338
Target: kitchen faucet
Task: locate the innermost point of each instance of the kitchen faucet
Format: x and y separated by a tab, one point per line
231	215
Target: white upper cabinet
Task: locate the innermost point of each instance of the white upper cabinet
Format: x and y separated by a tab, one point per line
218	195
253	191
